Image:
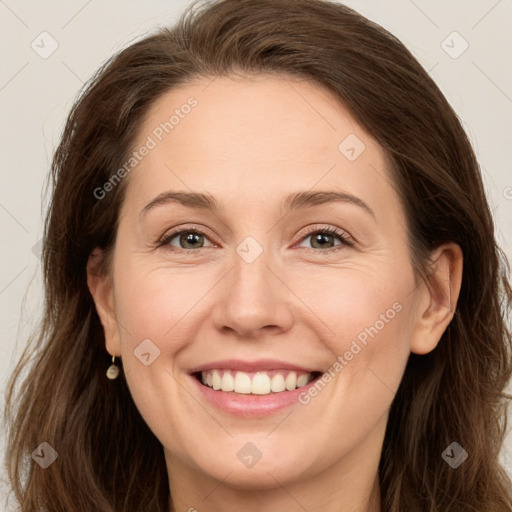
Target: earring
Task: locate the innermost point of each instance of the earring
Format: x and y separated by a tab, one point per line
113	370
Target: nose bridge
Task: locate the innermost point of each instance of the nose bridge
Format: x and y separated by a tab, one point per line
253	297
251	273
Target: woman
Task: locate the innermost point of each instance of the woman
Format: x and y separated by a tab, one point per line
260	368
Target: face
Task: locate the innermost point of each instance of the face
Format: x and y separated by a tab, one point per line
297	289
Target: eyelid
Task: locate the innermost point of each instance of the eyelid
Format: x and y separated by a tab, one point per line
166	237
346	239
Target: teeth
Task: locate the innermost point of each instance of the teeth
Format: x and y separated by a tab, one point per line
258	383
291	381
242	383
302	380
227	383
277	383
215	379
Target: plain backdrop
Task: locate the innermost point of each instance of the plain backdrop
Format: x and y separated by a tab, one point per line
464	44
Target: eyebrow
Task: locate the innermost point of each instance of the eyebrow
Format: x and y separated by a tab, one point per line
298	200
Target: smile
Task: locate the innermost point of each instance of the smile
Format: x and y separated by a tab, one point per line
262	382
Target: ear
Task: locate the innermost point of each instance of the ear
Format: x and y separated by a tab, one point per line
101	288
437	298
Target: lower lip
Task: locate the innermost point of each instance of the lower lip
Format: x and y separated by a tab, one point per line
249	405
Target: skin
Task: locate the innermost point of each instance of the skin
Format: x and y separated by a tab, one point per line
250	142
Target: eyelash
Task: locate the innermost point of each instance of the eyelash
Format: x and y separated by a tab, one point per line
345	240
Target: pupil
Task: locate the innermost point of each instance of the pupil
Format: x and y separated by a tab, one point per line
192	238
320	238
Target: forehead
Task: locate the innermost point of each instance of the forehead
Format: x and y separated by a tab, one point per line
254	140
256	112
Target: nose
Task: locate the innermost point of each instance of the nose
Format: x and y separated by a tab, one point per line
254	300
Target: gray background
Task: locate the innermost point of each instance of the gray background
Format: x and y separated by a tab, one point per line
36	94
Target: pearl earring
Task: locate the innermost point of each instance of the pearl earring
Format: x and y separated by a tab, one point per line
113	370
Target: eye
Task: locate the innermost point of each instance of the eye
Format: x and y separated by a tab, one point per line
193	238
321	237
187	237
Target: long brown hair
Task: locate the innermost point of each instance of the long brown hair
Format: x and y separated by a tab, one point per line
108	459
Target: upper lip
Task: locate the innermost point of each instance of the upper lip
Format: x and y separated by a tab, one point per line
250	366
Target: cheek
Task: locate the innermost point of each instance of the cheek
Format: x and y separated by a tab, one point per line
366	323
156	309
353	302
156	302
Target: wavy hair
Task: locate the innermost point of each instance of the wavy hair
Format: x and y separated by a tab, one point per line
108	458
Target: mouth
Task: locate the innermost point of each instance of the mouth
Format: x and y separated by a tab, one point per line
263	382
252	389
